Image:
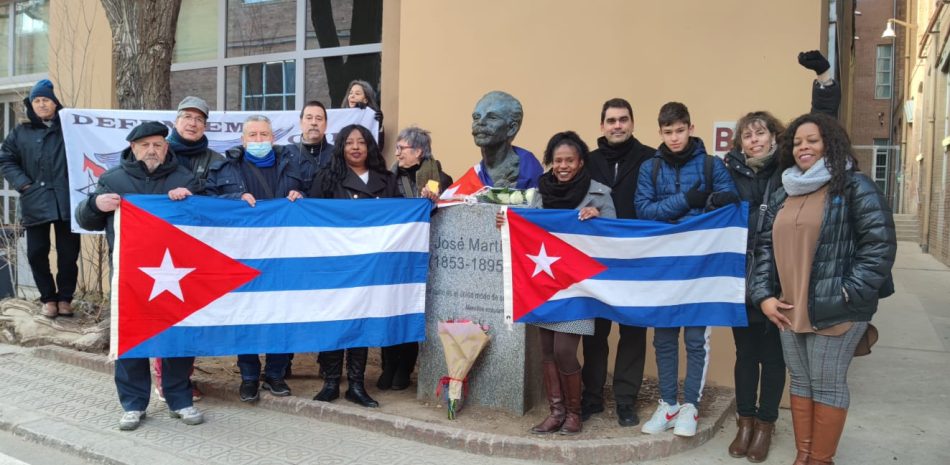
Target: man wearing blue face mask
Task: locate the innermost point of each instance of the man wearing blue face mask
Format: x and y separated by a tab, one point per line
257	170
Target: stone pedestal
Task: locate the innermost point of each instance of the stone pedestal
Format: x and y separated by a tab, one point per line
465	282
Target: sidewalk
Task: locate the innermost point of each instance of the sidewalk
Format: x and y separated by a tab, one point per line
898	414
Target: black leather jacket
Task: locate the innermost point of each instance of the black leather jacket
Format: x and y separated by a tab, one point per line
855	253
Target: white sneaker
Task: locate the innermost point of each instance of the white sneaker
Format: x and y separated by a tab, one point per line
662	420
188	415
130	420
686	421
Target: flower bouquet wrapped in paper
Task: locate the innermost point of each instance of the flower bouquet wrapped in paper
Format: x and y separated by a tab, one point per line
462	341
505	196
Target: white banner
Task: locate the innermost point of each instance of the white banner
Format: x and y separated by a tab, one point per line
95	139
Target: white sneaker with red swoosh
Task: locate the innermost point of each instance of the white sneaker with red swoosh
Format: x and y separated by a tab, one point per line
663	419
686	421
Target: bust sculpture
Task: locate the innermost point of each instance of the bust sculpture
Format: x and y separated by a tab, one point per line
495	123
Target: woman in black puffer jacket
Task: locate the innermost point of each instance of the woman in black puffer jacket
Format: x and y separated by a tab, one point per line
823	260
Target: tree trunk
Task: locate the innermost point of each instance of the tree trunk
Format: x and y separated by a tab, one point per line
143	37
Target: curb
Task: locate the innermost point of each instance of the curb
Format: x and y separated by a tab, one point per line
575	451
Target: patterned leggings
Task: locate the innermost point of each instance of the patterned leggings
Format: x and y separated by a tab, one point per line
818	364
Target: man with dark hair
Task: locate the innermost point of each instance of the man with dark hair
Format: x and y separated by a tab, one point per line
313	152
147	167
616	163
679	182
33	160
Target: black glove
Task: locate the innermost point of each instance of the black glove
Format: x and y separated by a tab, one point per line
721	199
379	116
696	198
814	60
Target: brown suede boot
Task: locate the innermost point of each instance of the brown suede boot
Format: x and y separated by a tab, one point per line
552	385
571	385
65	309
827	426
50	310
740	445
761	441
802	408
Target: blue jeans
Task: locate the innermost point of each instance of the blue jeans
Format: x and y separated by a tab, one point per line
133	381
250	366
666	344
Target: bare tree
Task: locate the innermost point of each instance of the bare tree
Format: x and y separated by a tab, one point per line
143	38
365	28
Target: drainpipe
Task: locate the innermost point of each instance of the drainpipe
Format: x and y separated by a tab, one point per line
931	125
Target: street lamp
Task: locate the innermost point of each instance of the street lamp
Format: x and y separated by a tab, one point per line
889	29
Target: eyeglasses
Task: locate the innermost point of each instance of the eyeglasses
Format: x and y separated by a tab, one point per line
400	148
193	119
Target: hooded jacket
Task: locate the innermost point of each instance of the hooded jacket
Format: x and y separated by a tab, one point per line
132	177
666	199
33	161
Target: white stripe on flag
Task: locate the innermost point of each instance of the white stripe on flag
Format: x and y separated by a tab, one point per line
691	243
307	241
248	308
658	293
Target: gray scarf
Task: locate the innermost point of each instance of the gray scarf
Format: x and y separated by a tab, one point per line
797	182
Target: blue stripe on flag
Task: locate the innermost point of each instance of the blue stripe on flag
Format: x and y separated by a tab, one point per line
673	268
207	211
673	316
291	274
179	341
565	222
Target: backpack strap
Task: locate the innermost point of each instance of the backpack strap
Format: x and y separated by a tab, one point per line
708	169
656	170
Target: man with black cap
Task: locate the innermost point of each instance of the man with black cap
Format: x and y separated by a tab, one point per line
188	140
147	167
33	160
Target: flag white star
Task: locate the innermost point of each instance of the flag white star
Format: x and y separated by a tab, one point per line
167	277
543	262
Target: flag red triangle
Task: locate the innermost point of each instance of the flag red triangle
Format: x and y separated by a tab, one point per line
534	253
144	240
468	184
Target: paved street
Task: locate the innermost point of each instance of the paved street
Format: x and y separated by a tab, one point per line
898	415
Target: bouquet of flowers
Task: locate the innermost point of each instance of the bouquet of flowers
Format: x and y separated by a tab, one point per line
505	195
462	341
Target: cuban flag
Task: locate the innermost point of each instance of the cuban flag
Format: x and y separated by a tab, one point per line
635	272
467	185
206	276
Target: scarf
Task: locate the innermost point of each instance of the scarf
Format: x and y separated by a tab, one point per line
678	159
614	153
264	162
797	182
563	195
421	174
187	148
756	164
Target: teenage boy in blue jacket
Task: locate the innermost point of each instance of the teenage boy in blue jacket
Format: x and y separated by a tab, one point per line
687	182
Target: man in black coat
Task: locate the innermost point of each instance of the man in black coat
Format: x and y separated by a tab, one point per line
616	164
187	139
33	160
147	167
313	152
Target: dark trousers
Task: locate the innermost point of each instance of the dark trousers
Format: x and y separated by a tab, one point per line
250	366
134	382
760	368
67	253
628	369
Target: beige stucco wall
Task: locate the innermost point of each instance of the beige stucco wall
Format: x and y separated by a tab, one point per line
563	59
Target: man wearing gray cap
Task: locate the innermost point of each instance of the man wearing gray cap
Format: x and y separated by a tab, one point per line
147	167
190	145
188	139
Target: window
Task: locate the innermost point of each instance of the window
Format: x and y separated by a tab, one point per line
881	155
268	86
882	80
275	54
24	25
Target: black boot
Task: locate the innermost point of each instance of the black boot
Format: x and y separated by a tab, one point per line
408	353
331	366
389	358
355	368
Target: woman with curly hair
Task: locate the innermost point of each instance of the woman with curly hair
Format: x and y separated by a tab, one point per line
823	261
357	171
